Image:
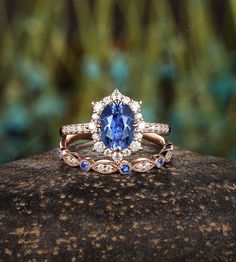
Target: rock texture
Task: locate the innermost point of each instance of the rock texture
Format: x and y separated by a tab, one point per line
182	212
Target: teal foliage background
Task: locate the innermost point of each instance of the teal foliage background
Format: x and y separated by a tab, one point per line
179	57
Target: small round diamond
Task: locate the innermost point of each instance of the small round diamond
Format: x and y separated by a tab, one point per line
99	147
135	146
84	165
139	116
108	152
117	156
101	167
141	125
95	136
126	99
79	129
125	169
95	116
135	106
127	152
116	95
98	107
138	136
92	126
160	161
106	100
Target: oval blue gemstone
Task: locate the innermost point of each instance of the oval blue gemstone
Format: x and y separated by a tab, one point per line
117	125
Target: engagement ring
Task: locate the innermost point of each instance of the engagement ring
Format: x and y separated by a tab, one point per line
117	128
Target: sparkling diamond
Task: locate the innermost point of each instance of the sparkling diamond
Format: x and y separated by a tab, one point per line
106	100
101	167
135	146
99	147
109	168
98	107
117	156
95	116
138	136
126	152
95	136
126	99
141	125
78	128
139	166
143	166
117	125
135	106
116	95
139	116
108	152
104	168
92	126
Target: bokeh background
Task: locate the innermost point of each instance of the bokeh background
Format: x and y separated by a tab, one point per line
178	56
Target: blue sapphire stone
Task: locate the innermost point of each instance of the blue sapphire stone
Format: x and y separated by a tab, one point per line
125	169
85	165
160	161
117	125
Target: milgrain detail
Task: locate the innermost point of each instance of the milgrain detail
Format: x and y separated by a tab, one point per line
106	166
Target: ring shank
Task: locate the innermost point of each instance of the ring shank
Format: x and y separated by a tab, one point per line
68	139
157	128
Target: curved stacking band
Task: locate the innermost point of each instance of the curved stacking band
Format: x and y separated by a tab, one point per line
106	166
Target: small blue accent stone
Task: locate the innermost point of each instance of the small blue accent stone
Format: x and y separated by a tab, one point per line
125	169
117	125
85	165
160	161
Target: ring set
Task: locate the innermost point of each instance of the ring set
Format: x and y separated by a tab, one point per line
116	128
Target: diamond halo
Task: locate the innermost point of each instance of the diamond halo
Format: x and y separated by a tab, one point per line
139	125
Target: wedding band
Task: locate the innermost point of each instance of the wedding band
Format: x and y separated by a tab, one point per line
106	166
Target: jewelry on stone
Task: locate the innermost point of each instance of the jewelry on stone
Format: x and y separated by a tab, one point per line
106	166
117	128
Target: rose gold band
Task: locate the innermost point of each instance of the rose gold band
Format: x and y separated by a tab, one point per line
105	166
68	139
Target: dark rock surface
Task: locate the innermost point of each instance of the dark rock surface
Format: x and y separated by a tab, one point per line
183	212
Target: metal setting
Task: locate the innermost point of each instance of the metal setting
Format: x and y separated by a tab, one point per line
106	166
94	130
93	127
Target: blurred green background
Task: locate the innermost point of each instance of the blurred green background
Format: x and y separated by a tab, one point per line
179	57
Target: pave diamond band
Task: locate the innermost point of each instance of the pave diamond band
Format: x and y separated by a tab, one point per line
148	127
117	128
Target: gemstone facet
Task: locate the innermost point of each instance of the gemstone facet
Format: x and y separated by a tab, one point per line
160	161
125	169
85	165
117	125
